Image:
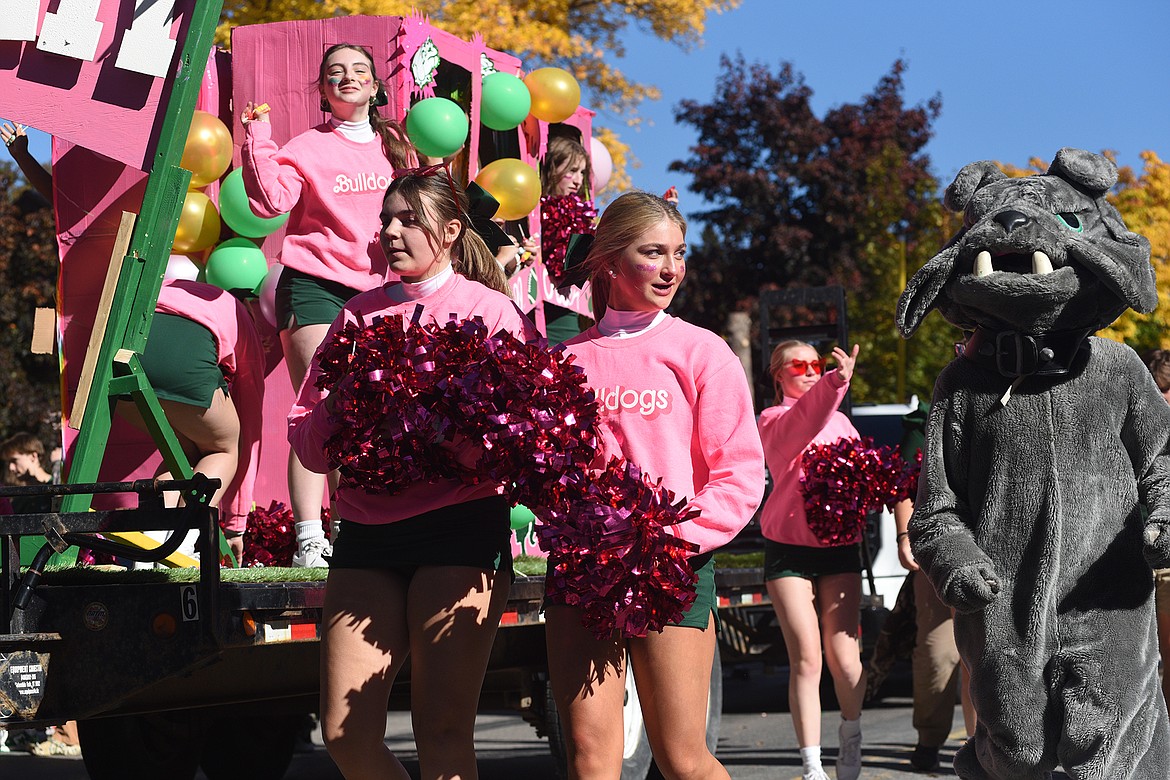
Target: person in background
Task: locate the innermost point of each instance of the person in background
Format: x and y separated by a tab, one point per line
424	572
16	139
815	587
936	666
330	250
23	455
699	440
205	362
1158	362
564	171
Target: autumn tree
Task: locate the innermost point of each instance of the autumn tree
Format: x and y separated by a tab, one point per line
30	384
801	200
582	36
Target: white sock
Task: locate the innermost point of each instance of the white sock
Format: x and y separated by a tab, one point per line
309	530
810	758
850	728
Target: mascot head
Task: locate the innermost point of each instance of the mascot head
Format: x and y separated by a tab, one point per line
1035	255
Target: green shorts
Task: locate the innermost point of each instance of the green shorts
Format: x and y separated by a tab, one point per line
475	533
794	560
705	607
311	300
180	360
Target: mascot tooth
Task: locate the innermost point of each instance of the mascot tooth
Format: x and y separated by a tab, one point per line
1045	490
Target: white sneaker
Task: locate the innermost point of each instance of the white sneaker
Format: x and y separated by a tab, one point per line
311	554
814	774
848	754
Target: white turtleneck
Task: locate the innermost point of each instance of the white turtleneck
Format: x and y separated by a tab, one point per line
358	132
623	324
412	291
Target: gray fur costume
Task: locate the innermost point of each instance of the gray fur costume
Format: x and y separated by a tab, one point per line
1043	443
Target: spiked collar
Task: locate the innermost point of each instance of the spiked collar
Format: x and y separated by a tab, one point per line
1014	355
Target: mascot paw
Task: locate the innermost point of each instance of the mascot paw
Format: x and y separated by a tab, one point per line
971	588
1157	545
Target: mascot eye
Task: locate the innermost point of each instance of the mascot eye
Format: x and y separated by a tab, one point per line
1072	220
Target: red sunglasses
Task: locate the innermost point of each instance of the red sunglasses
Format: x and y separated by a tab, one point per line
800	367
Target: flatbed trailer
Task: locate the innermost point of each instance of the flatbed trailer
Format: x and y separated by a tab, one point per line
164	669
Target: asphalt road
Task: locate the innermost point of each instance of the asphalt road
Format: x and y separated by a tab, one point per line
756	742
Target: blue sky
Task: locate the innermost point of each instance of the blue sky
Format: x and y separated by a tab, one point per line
1017	79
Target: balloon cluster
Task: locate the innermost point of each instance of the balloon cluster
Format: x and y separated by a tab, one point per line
236	263
438	126
560	217
846	480
418	402
610	553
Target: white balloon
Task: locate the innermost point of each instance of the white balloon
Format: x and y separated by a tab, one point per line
181	267
602	164
268	293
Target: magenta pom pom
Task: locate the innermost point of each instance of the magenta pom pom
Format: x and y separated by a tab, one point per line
560	217
846	480
611	555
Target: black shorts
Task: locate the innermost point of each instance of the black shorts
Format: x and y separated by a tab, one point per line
311	300
794	560
475	533
181	361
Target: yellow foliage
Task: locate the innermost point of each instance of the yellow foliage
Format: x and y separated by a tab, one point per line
1144	203
582	36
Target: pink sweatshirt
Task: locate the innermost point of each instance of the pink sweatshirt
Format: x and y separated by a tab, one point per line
240	355
334	187
787	430
677	402
309	426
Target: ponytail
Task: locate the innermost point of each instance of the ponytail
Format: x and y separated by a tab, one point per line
398	151
476	262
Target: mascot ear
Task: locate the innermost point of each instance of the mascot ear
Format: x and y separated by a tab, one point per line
1090	172
970	179
923	289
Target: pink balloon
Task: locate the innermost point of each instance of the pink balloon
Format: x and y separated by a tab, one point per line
268	293
602	165
181	267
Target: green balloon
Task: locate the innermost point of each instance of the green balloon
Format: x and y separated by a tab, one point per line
437	127
237	264
505	101
235	211
522	517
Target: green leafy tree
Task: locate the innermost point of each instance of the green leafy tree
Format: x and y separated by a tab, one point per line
30	384
799	200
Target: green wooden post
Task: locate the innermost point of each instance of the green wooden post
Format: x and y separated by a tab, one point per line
141	274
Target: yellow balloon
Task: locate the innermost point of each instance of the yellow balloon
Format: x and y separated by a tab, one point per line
516	185
208	151
555	94
199	224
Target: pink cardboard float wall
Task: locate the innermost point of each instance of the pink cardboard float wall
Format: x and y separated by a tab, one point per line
91	73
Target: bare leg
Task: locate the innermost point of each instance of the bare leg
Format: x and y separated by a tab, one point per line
306	489
840	599
795	605
673	672
453	613
364	642
588	678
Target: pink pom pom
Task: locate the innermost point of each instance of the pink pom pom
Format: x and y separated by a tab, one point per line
560	217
